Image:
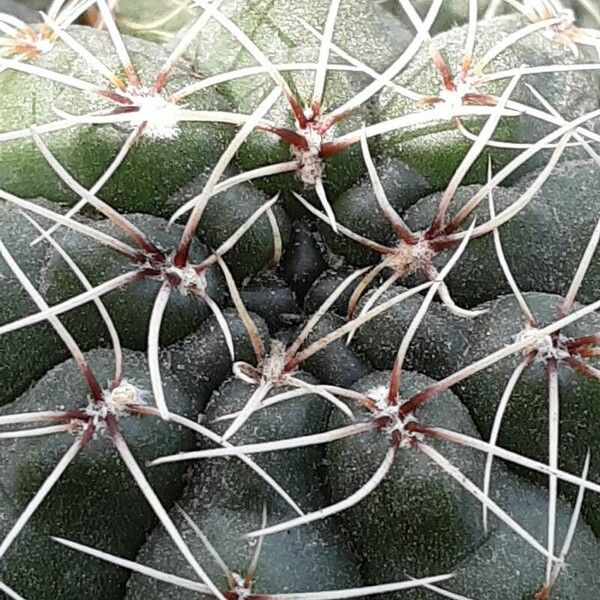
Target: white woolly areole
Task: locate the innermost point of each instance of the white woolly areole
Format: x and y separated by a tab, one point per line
156	111
544	347
188	278
410	256
311	165
380	395
454	99
240	590
37	44
115	402
273	366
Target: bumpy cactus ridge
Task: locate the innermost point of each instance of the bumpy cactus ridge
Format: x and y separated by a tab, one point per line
301	469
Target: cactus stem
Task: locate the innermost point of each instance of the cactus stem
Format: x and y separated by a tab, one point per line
60	329
45	489
110	326
486	361
157	506
338	507
136	567
465	482
211	435
79	300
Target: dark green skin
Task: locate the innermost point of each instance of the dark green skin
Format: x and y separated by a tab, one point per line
336	364
201	361
326	285
437	149
304	260
438	344
130	306
305	559
153	170
228	211
275	29
418	520
96	501
525	423
313	557
504	566
478	276
299	471
271	298
26	354
547	232
437	527
358	209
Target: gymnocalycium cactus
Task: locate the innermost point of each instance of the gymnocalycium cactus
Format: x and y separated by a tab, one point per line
299	300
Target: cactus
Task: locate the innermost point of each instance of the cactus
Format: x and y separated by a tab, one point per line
299	300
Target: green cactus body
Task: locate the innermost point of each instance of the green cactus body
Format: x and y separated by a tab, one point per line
201	361
96	500
26	354
297	471
153	169
435	522
525	423
275	27
229	210
327	366
157	20
131	305
503	566
418	521
436	149
301	560
566	225
357	209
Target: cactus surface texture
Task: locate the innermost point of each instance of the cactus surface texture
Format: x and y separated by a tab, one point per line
299	300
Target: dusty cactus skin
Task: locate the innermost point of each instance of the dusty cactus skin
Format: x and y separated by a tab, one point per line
27	354
155	20
332	339
96	499
528	408
435	521
420	501
201	361
437	149
301	560
276	28
130	306
154	168
568	225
